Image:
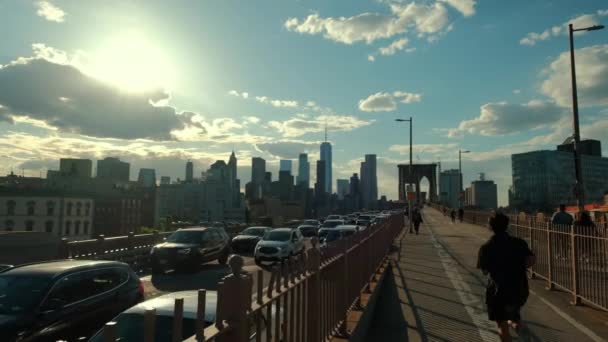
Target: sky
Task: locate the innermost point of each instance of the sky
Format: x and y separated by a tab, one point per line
157	83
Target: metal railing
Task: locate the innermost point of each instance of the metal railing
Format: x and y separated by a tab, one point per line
308	297
571	258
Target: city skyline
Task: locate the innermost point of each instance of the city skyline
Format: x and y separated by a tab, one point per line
352	88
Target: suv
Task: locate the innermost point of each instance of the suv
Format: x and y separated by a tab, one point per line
279	244
332	223
190	247
64	299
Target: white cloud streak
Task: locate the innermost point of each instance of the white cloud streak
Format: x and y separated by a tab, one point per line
584	20
387	102
50	12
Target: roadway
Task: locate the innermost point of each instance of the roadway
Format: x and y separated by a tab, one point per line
435	293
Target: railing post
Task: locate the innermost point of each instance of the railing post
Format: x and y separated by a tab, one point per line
99	246
574	256
130	244
149	325
550	257
313	321
64	249
236	301
531	235
346	288
200	315
109	332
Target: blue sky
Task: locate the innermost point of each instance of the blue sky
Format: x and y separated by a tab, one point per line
160	82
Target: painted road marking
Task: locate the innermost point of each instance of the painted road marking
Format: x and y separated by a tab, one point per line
472	304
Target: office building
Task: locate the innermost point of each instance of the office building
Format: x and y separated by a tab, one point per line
189	172
113	170
326	158
76	168
483	194
164	180
542	180
285	165
342	188
369	181
258	170
147	178
449	188
303	170
587	147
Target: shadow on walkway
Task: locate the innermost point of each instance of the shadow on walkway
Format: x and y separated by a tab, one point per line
388	324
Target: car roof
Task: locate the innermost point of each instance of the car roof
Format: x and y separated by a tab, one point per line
347	227
57	267
335	220
282	230
261	227
306	226
165	304
196	229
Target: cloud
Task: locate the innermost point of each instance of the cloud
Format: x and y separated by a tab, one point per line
466	7
422	19
288	149
502	118
395	46
265	99
50	12
584	20
516	91
298	126
591	77
387	102
60	95
427	151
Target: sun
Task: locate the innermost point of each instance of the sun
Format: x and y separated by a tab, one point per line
133	63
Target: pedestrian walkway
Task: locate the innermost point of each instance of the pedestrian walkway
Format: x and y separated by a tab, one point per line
435	293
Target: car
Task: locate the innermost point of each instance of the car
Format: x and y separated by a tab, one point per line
347	230
332	223
64	299
308	231
328	235
130	323
334	217
189	248
363	223
5	267
311	223
279	244
246	240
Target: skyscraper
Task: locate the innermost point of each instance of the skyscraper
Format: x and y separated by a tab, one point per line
258	170
285	165
147	178
369	181
326	157
320	184
113	169
303	170
232	179
189	172
342	188
449	188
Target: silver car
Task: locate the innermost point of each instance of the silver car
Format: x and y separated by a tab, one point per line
279	244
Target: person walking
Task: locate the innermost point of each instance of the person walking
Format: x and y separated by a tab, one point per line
561	217
460	214
453	215
417	220
504	259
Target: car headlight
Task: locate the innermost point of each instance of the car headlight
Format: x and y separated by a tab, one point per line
183	251
202	250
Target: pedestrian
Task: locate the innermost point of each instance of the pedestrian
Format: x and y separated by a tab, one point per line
417	220
504	259
561	217
460	214
585	228
453	215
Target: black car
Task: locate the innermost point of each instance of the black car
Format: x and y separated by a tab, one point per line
190	247
246	240
64	299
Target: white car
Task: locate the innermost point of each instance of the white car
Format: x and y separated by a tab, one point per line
279	244
348	230
332	223
311	223
334	217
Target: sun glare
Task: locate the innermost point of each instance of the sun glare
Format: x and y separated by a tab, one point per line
133	63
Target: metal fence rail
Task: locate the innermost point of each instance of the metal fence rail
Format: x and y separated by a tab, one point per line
307	299
573	259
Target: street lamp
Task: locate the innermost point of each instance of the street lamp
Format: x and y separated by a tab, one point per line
460	152
578	187
409	213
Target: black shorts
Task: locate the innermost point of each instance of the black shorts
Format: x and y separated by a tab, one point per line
500	311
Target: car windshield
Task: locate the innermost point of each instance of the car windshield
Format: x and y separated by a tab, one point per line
186	236
130	327
277	235
313	222
254	231
307	231
331	224
20	294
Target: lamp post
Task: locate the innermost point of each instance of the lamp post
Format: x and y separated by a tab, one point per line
409	212
578	186
460	152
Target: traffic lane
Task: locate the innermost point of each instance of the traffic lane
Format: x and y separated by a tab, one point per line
548	314
207	277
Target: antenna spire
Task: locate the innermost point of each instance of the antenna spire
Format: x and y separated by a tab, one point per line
326	130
